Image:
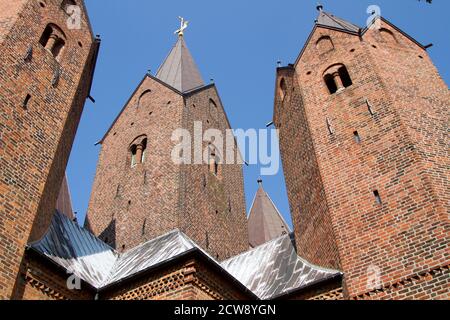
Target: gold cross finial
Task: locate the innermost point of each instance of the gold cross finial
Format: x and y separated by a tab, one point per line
183	26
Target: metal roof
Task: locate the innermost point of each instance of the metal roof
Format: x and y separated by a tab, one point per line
267	271
265	222
274	269
328	20
179	69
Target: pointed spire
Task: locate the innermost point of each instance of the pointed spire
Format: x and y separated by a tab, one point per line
328	20
265	222
179	69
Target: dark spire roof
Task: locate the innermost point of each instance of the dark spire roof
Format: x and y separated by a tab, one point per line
328	20
265	222
179	69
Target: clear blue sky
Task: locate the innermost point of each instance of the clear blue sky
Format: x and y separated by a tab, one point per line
237	43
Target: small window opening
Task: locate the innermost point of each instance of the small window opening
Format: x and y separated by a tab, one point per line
377	197
357	137
143	226
53	39
370	107
26	102
283	89
118	191
345	77
133	155
330	127
331	84
57	47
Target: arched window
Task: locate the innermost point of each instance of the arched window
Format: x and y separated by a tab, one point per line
283	89
324	44
387	36
66	3
337	78
53	39
213	109
137	151
143	98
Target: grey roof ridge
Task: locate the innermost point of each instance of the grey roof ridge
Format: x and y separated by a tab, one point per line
255	248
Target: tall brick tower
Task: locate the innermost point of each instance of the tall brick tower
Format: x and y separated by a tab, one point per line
139	193
47	58
363	117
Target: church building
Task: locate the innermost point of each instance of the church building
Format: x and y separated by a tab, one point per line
362	117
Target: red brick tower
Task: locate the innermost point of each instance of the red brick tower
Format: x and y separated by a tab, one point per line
139	193
47	58
363	118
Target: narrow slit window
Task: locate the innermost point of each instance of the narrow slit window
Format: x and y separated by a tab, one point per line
357	137
370	107
330	127
377	197
26	102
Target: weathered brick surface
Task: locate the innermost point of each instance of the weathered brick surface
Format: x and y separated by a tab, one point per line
403	154
35	141
40	281
188	279
130	205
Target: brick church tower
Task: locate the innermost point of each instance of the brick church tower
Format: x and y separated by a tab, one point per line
47	59
140	193
363	118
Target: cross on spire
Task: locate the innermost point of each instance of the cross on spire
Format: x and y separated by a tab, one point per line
183	25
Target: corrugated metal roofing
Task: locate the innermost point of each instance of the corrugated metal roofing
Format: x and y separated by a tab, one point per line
274	269
179	69
268	271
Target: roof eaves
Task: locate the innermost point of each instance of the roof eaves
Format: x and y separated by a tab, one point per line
312	285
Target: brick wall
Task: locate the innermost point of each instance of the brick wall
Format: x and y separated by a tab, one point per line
402	155
35	141
130	205
188	279
41	281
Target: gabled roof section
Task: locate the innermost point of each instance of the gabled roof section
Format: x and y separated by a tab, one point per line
328	20
179	69
274	270
265	222
266	272
79	252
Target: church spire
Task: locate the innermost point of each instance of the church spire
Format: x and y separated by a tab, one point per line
179	69
328	20
265	222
